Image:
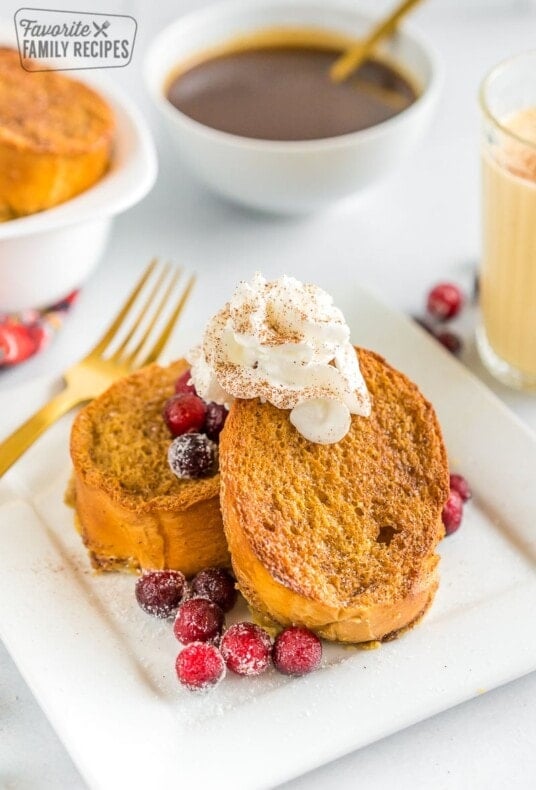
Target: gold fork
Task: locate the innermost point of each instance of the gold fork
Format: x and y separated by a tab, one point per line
102	366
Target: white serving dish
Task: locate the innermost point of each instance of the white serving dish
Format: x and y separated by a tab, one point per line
103	671
288	177
46	255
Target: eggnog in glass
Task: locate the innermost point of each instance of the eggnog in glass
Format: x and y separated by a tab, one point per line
507	333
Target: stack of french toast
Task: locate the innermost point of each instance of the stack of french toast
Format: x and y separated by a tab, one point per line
337	536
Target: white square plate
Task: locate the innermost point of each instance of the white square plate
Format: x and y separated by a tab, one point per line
104	672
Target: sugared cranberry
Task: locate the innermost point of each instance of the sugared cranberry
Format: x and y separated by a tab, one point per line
444	301
185	384
297	651
184	412
459	483
215	420
192	455
160	592
217	585
451	342
200	666
452	512
246	649
198	620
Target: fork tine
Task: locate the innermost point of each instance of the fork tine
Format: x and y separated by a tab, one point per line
117	322
158	347
116	356
131	358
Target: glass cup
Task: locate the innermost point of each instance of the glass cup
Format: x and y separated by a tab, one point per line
506	335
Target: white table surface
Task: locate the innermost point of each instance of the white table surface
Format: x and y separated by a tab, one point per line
421	226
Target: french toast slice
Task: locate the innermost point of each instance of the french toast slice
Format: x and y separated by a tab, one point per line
339	538
56	137
131	510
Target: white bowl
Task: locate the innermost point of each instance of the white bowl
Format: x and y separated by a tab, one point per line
46	255
288	177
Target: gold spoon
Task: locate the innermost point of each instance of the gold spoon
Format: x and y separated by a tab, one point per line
350	60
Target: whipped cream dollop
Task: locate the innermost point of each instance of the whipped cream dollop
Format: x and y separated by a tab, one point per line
284	342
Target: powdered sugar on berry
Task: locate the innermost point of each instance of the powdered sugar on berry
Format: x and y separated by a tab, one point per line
246	649
285	342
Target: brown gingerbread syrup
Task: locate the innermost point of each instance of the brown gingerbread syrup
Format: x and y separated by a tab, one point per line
277	87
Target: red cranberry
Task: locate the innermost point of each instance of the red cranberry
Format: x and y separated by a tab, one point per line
198	620
452	512
185	384
184	412
444	301
297	651
451	342
192	455
215	420
217	585
459	483
246	649
200	666
160	592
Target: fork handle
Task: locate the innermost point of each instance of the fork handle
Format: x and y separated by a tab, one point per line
15	445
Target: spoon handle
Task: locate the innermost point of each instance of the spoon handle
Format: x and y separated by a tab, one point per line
350	60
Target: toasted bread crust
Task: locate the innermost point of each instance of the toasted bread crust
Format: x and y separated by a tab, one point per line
340	538
55	138
131	510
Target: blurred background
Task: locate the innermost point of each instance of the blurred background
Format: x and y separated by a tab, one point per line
470	36
430	206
